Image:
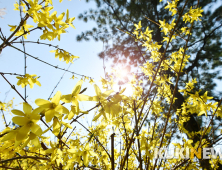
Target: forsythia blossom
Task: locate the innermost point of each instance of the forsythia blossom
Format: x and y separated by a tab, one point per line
28	79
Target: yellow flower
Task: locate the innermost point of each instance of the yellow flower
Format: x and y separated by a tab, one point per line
33	138
73	77
34	8
56	153
67	57
138	26
76	156
193	15
27	120
28	79
75	97
2	106
13	27
69	20
99	95
52	108
205	97
91	81
86	153
48	1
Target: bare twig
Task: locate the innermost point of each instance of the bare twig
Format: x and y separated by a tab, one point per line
59	81
15	31
37	42
13	74
24	157
23	44
112	152
48	63
13	87
96	139
4	118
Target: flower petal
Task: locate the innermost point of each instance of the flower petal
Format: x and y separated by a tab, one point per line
43	103
17	112
67	98
66	124
85	158
9	136
36	142
77	88
49	115
107	93
37	110
36	129
35	117
20	120
62	109
22	133
56	98
97	90
82	97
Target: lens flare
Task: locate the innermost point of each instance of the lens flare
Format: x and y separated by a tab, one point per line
123	72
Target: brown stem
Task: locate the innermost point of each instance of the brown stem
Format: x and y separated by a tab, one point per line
4	118
96	139
16	30
137	134
24	157
112	152
13	87
7	167
174	92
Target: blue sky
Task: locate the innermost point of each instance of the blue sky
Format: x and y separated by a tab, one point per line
12	60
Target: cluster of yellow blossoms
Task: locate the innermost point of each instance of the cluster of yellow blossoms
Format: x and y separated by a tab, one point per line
31	143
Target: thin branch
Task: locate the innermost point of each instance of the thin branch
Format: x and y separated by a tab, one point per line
55	135
26	32
159	25
13	74
20	10
83	113
59	81
179	165
4	118
96	139
7	167
137	134
50	45
112	152
48	63
15	31
23	157
81	116
70	134
13	87
174	92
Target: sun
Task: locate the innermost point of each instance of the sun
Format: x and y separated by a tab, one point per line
123	72
123	76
